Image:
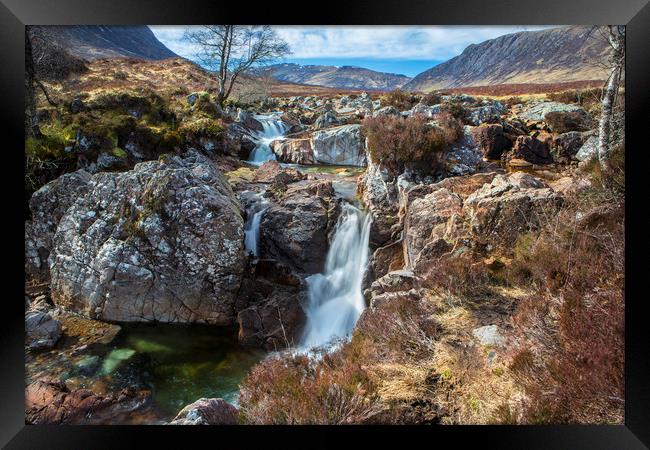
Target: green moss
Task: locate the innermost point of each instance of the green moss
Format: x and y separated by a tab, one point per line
119	152
202	126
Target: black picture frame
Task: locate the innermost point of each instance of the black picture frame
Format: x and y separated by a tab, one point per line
15	14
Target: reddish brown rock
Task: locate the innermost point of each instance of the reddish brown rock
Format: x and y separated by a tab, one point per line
491	140
51	402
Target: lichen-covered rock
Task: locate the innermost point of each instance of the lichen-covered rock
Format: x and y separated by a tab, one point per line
42	331
386	111
162	242
510	205
588	150
490	113
295	227
464	156
295	151
536	111
339	145
565	121
566	145
207	411
325	120
47	206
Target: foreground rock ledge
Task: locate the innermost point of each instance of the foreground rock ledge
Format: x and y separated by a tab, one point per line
162	242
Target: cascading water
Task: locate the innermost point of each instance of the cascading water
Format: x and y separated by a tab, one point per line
252	226
273	129
335	297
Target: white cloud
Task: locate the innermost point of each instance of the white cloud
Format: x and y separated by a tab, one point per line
385	42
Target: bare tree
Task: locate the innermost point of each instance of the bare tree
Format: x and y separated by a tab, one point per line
230	50
617	42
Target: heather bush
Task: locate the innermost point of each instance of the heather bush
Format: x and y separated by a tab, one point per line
430	99
400	99
397	142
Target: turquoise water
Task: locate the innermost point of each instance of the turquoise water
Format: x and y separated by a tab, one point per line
182	363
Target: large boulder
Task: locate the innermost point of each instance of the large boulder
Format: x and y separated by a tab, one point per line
489	113
295	227
566	145
207	411
295	151
248	121
491	139
509	206
47	206
588	150
339	145
162	242
536	112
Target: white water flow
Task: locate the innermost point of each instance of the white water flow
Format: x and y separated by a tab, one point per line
252	226
273	129
335	297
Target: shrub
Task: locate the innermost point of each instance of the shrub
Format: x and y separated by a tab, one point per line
432	98
299	390
400	99
397	142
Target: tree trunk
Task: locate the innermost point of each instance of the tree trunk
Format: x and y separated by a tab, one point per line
616	39
31	118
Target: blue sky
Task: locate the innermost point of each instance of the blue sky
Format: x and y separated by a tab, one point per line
408	50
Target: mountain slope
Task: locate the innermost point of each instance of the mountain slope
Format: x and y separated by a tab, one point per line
545	56
96	41
343	77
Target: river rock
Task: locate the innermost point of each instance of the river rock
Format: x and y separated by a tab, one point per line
248	121
339	145
207	411
47	206
42	331
294	151
271	171
325	120
50	401
161	242
380	194
295	228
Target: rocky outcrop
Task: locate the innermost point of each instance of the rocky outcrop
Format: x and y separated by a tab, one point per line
510	205
464	156
295	151
47	206
339	145
490	113
51	402
325	120
380	194
491	139
295	227
530	149
207	411
162	242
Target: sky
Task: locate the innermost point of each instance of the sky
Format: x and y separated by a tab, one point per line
406	50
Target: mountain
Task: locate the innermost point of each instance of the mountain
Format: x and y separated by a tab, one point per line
343	77
97	41
546	56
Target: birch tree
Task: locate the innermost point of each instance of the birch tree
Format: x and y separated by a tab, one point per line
230	50
617	42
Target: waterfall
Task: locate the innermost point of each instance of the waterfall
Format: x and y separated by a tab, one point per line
273	128
252	226
335	297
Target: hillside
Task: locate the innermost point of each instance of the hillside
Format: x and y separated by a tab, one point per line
92	42
343	77
545	56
